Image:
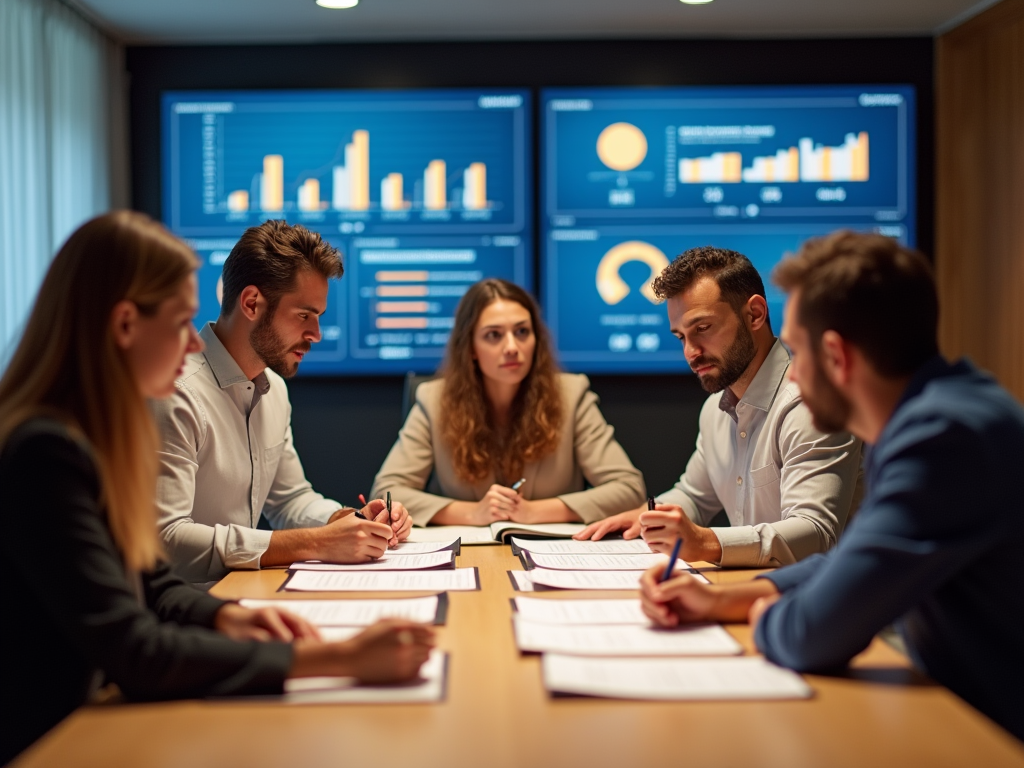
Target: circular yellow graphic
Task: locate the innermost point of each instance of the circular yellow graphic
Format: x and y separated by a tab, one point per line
622	146
613	288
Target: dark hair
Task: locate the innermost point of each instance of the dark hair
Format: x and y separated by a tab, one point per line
872	291
270	256
732	272
536	416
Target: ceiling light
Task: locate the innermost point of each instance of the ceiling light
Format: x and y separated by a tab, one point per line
354	3
688	2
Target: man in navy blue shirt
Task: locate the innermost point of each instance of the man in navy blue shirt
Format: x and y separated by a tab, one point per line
935	544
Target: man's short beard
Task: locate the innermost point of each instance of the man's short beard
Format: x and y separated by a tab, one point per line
269	347
734	362
830	410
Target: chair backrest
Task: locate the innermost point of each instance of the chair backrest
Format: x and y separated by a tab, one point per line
412	382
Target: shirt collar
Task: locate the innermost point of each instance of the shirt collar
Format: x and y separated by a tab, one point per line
225	369
765	386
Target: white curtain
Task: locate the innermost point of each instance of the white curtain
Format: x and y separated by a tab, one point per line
63	143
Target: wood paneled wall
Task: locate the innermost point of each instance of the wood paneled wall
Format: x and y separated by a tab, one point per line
979	214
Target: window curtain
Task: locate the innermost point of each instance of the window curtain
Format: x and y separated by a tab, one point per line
63	143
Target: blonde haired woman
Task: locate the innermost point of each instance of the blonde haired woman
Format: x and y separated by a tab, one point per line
88	594
502	412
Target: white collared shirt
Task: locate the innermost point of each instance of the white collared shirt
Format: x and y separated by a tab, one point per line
787	488
227	457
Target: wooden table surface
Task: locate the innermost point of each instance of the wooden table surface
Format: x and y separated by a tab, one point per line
497	713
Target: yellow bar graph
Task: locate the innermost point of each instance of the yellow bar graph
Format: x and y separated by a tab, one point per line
391	193
309	195
435	195
474	196
359	170
272	186
859	160
238	201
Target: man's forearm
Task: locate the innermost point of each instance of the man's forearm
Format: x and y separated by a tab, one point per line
733	601
287	547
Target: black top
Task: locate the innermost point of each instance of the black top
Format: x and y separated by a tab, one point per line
70	612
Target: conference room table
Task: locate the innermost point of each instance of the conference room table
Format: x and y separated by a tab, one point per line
879	712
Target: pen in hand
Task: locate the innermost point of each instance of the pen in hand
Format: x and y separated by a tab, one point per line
672	560
518	484
388	502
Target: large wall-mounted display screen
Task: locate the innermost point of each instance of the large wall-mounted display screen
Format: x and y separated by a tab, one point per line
425	192
632	177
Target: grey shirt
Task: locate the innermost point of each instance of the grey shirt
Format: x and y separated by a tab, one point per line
787	487
227	457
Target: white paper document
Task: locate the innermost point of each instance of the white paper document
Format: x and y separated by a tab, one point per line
354	613
552	579
585	579
599	562
386	562
430	687
748	677
521	580
470	534
587	612
458	580
422	547
628	640
573	547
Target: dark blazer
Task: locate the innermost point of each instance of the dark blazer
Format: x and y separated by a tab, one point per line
934	547
71	616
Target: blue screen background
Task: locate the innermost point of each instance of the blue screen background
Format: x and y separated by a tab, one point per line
588	208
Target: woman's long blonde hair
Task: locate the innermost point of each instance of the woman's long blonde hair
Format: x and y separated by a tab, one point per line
468	429
68	366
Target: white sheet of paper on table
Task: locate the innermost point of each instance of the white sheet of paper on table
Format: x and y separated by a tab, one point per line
522	581
422	547
598	562
458	580
430	687
354	613
573	547
470	534
632	640
749	677
586	612
386	562
555	530
588	579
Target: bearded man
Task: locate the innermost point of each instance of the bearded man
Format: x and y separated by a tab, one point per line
227	456
786	486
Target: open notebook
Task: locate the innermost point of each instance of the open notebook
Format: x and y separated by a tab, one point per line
495	533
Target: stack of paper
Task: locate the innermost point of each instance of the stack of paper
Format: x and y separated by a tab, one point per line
387	562
624	640
361	613
541	579
591	648
458	580
573	547
672	679
495	533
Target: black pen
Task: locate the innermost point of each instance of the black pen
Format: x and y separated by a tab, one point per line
389	507
650	502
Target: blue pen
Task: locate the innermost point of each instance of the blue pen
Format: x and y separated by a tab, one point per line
672	560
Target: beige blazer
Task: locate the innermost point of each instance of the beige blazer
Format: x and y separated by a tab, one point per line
587	451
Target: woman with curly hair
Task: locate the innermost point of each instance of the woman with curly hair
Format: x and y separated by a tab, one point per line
500	413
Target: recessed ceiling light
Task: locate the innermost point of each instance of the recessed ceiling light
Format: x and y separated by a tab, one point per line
353	3
688	2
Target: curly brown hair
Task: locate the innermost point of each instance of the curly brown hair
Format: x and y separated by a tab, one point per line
477	447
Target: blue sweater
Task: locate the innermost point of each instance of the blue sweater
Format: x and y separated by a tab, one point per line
934	547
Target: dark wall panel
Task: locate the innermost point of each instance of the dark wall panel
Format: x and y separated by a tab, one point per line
344	427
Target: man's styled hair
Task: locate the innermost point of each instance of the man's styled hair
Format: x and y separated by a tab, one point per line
270	256
732	272
872	291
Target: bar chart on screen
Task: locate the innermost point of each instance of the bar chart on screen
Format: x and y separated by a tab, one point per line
425	192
